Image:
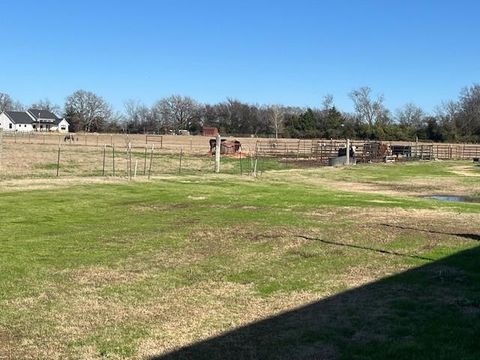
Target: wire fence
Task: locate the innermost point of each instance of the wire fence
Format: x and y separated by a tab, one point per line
47	155
43	161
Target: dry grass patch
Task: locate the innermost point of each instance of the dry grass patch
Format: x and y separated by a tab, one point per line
331	178
465	171
98	276
209	309
14	185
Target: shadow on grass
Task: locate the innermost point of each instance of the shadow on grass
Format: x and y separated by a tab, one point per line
430	312
353	246
467	236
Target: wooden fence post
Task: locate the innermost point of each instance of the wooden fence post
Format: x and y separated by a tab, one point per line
180	164
151	160
104	154
130	160
58	161
145	161
322	149
113	160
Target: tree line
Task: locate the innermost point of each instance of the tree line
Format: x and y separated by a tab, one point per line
454	120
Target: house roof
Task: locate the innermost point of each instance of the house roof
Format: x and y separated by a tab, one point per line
42	114
59	120
28	117
19	117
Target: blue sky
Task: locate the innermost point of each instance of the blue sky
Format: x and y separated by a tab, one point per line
290	52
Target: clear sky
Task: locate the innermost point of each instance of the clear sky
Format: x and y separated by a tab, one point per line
290	52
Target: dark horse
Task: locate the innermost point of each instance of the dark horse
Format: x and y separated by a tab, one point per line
69	138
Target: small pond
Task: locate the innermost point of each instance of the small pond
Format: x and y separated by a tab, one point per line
456	198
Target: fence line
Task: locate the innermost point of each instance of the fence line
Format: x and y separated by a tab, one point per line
318	149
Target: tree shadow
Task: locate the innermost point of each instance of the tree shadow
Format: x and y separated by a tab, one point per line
353	246
475	237
429	312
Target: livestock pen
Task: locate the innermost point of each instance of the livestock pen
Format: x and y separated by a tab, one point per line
85	154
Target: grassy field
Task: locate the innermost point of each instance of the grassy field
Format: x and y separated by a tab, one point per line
329	263
20	161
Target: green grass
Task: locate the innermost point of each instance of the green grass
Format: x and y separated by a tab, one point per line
100	269
394	172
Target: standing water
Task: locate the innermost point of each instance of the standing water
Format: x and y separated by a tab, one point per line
455	198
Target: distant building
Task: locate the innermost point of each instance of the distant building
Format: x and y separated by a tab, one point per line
32	120
210	131
183	132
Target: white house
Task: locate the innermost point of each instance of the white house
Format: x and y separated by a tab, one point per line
32	120
15	121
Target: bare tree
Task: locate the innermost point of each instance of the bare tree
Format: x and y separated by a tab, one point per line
133	110
8	104
327	102
177	112
447	111
468	121
88	111
139	117
369	110
276	117
46	104
410	115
